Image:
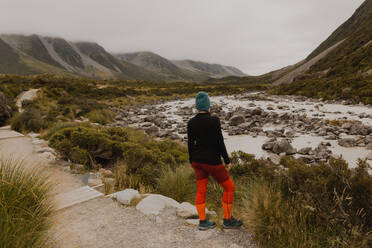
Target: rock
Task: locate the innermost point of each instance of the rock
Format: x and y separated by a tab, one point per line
46	149
33	135
126	196
5	110
236	120
48	156
369	156
307	160
187	211
38	142
257	111
94	180
347	142
284	146
305	151
274	158
153	131
193	222
154	204
268	146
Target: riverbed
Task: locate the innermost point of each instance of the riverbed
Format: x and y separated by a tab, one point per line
299	109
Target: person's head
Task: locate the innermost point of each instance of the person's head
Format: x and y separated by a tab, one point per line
202	102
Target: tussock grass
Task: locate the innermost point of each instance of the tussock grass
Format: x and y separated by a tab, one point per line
25	206
178	183
275	221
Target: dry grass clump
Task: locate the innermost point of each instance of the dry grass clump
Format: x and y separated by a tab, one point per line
25	206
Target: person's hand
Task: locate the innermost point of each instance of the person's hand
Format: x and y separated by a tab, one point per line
228	167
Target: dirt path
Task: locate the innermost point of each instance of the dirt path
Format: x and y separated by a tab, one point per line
101	222
14	145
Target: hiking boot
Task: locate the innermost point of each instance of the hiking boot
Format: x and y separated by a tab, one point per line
206	224
232	223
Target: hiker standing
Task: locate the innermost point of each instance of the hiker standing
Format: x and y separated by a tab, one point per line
206	146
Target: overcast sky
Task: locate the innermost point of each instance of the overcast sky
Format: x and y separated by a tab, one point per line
256	36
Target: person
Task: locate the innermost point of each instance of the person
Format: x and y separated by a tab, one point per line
205	147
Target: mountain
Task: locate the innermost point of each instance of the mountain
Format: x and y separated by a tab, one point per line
37	54
346	52
156	63
179	69
212	70
33	54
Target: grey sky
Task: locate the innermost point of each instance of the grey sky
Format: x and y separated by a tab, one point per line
256	36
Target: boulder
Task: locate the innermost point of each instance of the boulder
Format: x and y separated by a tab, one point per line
153	131
347	142
126	196
5	110
154	204
305	150
268	146
236	120
284	146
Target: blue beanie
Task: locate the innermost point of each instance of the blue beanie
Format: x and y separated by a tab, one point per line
202	102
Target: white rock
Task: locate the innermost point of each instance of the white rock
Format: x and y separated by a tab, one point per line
94	181
48	156
154	204
193	222
188	211
33	135
126	196
38	142
46	149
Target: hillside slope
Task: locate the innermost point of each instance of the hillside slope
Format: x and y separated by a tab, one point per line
33	54
340	68
212	70
180	69
37	54
156	63
346	52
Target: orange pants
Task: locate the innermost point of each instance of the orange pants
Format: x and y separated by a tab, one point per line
219	173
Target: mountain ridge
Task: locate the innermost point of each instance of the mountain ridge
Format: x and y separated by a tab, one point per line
33	54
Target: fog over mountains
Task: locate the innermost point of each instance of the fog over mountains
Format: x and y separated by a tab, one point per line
38	54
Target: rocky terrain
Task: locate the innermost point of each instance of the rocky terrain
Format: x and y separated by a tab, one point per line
310	129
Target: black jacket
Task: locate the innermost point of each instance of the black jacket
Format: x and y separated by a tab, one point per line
205	140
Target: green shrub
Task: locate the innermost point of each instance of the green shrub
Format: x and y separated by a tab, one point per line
178	183
25	206
300	205
28	120
103	116
86	144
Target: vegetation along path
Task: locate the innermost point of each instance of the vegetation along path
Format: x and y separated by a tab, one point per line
102	222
